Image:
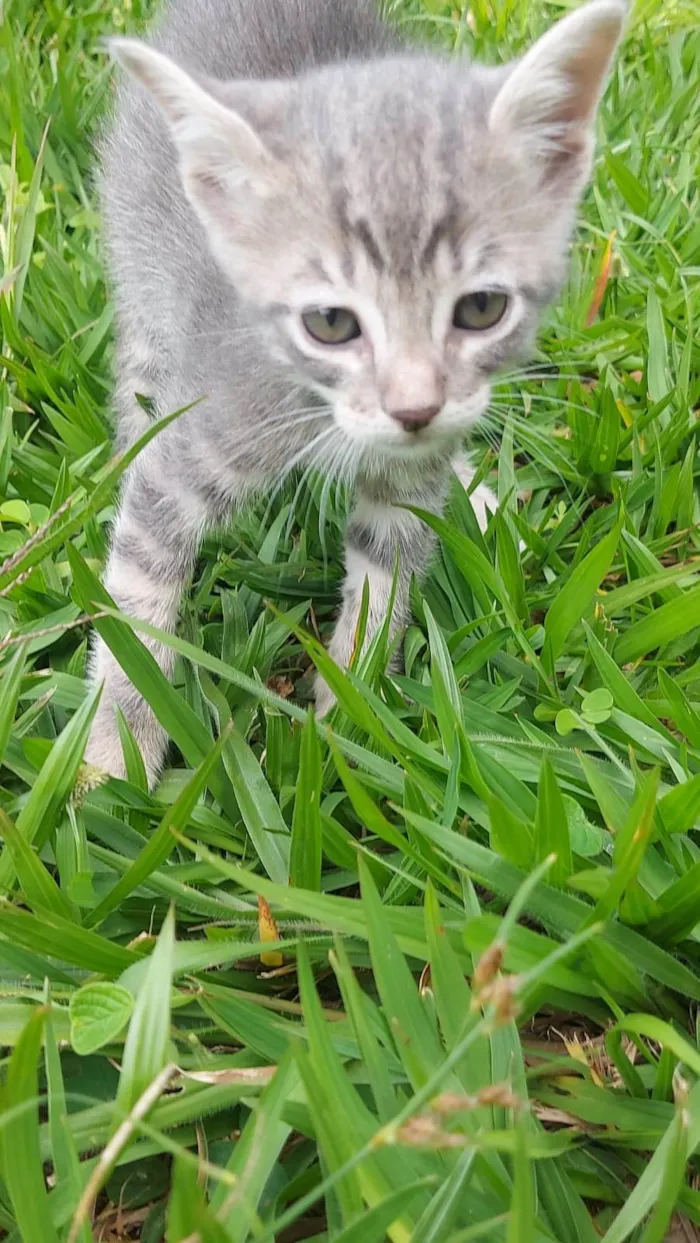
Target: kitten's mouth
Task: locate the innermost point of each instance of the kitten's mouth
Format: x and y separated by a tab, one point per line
425	442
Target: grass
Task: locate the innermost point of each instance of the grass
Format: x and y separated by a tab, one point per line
471	1039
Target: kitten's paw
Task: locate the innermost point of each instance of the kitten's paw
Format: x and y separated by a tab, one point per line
484	503
104	748
325	700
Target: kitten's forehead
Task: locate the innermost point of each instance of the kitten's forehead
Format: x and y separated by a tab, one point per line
399	154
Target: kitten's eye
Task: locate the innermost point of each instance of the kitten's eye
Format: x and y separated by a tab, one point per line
476	311
333	325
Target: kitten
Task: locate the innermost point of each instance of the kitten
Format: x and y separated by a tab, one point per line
336	243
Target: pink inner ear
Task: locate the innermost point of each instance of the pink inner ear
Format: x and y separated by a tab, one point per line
586	72
556	87
570	158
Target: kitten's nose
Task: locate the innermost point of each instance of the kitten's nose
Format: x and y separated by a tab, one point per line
415	420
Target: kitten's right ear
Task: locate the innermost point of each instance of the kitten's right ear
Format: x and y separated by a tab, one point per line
219	150
548	103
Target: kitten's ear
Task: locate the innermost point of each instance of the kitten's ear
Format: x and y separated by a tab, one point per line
548	103
219	150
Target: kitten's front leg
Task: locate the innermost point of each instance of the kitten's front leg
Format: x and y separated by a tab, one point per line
154	543
484	500
376	533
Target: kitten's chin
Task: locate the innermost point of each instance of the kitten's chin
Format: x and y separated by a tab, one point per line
417	448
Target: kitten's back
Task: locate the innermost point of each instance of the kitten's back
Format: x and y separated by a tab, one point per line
271	38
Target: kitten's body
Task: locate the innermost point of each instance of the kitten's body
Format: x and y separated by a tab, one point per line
337	162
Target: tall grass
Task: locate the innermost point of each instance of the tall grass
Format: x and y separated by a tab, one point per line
428	971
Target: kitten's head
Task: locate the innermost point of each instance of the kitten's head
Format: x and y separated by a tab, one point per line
399	224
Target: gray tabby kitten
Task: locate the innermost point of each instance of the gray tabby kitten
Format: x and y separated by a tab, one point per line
336	243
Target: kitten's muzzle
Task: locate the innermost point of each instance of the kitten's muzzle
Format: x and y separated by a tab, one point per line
415	420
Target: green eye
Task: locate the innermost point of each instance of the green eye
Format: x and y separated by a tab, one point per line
476	311
332	325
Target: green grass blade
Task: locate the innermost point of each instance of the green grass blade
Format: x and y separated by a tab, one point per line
64	1155
574	598
672	1181
38	885
25	233
255	1155
10	683
446	1205
376	1223
521	1215
189	1217
358	1007
687	717
306	850
162	843
267	828
551	827
49	935
645	1195
416	1039
665	624
52	787
21	1159
147	1042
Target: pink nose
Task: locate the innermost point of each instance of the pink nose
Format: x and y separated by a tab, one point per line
415	420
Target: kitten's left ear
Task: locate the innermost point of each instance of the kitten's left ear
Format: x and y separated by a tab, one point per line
219	150
548	103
